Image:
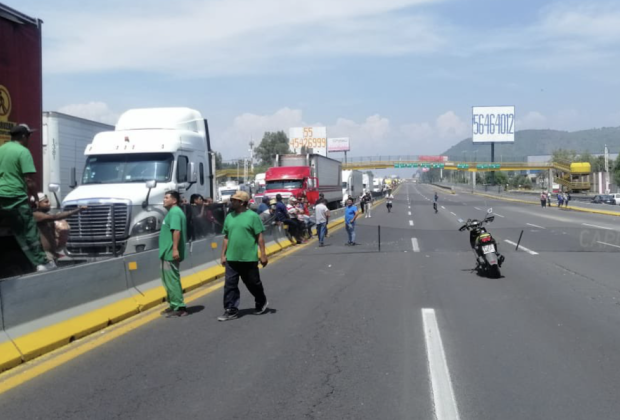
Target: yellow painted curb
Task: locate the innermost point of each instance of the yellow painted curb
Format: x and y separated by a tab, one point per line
9	356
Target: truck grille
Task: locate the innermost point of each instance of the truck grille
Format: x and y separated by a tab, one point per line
95	223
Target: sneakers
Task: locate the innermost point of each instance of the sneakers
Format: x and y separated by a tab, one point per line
261	310
229	314
51	265
178	313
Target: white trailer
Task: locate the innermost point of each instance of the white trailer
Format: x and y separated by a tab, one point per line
368	181
64	140
352	185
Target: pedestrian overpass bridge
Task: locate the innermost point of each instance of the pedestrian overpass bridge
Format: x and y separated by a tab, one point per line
566	173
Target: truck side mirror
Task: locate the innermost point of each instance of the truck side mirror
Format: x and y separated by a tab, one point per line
150	185
54	188
193	176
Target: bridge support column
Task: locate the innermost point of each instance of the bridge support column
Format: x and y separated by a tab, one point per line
473	181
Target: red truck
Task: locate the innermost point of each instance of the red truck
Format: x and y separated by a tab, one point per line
305	176
21	101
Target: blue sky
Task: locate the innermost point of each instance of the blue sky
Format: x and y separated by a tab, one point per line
396	76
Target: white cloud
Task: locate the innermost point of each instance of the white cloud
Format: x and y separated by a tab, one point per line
198	38
95	111
234	141
532	120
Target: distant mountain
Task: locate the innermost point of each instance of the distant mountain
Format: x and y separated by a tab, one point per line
539	142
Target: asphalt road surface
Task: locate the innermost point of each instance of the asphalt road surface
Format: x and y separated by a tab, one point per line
408	332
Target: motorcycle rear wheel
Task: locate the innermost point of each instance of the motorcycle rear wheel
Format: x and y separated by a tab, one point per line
494	272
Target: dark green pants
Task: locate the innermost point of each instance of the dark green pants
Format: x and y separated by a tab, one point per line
171	278
19	216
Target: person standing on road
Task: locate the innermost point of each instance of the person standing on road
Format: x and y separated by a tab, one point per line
368	199
567	198
560	200
388	201
350	215
17	185
243	237
543	199
321	214
172	239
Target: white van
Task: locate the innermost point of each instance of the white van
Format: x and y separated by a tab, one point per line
616	197
127	173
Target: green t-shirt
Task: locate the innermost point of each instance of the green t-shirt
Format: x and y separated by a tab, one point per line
15	162
174	220
242	231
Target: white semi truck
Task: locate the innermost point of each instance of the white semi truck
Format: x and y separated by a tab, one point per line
126	175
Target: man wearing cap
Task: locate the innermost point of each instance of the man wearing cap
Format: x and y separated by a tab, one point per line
243	237
16	185
46	223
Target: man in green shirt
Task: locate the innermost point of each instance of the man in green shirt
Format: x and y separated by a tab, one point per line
172	238
16	186
243	236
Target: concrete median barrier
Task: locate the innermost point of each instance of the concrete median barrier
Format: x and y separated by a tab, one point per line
45	311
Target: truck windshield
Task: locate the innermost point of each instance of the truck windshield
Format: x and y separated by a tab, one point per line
284	184
118	169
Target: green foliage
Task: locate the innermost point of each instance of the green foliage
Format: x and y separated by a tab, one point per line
218	160
501	178
563	155
616	172
271	145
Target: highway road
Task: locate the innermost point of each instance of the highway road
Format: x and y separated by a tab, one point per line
409	332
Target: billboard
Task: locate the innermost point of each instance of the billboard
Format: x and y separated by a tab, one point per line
313	139
424	158
340	144
21	87
493	124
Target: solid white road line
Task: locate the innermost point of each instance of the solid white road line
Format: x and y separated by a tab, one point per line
605	243
536	226
599	227
529	251
443	207
409	213
441	383
478	208
414	244
410	222
453	214
498	215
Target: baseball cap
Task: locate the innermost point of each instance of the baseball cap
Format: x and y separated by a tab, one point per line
41	196
241	195
21	129
292	199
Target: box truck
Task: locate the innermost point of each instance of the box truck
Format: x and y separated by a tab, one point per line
126	175
305	175
352	185
64	140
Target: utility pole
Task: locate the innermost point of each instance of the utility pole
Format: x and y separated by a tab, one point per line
252	154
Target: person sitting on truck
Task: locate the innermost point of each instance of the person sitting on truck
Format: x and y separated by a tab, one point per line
53	228
17	185
200	222
263	206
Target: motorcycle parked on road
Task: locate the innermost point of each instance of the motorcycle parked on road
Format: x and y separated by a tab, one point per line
488	258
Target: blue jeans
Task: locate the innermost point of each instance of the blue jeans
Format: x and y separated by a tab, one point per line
321	230
351	232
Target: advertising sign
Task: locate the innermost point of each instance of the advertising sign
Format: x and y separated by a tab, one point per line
312	139
493	124
340	144
21	78
424	158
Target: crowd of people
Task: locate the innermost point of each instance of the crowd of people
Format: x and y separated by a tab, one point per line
562	198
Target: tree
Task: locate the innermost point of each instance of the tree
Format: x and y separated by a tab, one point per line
272	144
616	172
501	178
563	155
218	160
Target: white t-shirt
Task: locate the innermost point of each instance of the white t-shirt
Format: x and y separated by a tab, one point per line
389	198
320	213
